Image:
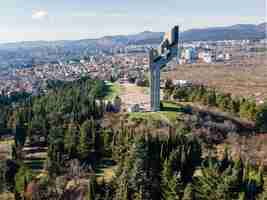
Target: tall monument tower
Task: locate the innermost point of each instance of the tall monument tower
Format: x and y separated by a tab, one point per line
158	58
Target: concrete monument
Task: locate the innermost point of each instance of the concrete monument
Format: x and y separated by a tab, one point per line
158	58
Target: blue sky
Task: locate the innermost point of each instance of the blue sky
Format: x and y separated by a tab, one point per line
24	20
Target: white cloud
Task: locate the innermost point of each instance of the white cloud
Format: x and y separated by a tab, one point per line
39	14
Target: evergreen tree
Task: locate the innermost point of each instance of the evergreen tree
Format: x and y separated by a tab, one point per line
121	192
71	140
20	134
189	193
91	189
139	195
225	160
208	184
56	144
261	118
235	182
139	177
3	172
244	109
235	107
212	98
242	196
86	140
22	178
238	171
106	142
169	182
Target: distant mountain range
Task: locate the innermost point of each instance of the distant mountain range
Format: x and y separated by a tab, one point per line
235	32
23	52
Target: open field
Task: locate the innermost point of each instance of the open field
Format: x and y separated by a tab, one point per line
248	79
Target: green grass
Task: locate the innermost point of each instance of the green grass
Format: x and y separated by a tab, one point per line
112	90
168	117
170	106
153	116
150	117
171	111
169	114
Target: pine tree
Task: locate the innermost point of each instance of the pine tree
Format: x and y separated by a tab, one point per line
189	193
123	171
22	178
238	170
71	140
86	143
260	177
91	189
106	142
3	173
56	144
121	192
144	172
261	118
265	195
96	140
242	196
138	195
169	182
225	160
20	134
138	175
212	98
209	186
235	107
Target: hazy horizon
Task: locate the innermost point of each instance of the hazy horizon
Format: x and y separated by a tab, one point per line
49	20
77	39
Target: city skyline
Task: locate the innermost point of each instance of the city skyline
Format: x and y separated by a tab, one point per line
62	20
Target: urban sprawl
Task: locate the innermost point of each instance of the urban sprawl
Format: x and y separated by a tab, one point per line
128	63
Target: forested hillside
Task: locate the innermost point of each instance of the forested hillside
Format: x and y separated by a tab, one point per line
87	160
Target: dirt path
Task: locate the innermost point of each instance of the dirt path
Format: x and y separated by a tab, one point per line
132	94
